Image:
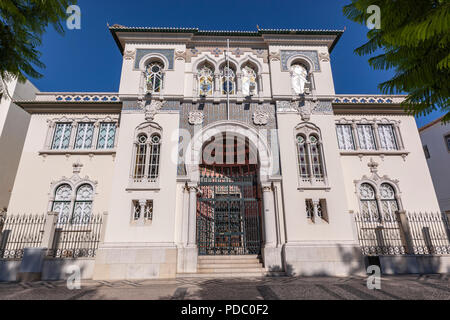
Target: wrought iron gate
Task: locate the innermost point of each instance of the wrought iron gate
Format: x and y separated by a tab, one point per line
229	211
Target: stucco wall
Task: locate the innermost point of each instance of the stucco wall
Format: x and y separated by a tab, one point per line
14	123
298	227
414	181
32	188
162	227
439	162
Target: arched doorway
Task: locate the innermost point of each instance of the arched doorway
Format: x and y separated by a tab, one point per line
229	207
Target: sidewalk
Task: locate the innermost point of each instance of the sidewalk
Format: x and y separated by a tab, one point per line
392	288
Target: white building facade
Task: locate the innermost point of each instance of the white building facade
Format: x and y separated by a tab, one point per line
436	145
211	151
14	123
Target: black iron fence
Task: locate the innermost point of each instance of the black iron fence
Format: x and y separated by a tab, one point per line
64	240
430	233
77	240
405	233
19	232
379	237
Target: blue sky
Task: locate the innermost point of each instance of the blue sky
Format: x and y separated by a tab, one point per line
89	60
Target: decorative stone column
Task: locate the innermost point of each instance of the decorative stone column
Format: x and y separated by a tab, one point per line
192	231
188	255
356	136
270	252
269	217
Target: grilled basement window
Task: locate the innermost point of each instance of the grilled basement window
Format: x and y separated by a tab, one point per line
316	209
142	210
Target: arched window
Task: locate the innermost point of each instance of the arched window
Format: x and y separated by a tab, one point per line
310	157
155	154
316	157
369	202
154	76
148	153
302	157
61	204
83	204
299	78
389	204
228	80
249	81
206	81
141	156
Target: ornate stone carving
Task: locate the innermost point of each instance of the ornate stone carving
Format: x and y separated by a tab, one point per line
287	106
373	166
77	166
324	56
129	54
323	107
310	55
180	55
150	108
274	56
261	117
196	117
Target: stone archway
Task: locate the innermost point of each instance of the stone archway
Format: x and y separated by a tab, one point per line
229	207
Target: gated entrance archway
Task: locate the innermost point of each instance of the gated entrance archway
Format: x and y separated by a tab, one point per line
229	205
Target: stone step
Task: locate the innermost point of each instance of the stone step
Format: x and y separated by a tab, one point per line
240	261
264	274
250	257
228	270
230	265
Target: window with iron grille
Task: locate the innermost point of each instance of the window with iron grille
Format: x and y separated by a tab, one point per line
82	210
366	137
61	137
345	137
302	155
142	210
147	159
316	158
447	140
309	208
85	135
73	208
62	201
154	77
389	204
228	78
388	140
206	80
369	202
106	135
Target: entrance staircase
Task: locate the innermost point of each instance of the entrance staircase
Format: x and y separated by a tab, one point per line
248	266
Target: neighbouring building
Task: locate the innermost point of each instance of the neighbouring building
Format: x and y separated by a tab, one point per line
436	146
222	143
13	129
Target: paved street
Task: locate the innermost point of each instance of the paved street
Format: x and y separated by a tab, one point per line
393	288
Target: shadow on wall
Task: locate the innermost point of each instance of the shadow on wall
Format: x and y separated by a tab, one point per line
350	262
52	270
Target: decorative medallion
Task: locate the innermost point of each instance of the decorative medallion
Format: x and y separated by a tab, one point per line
196	117
261	117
